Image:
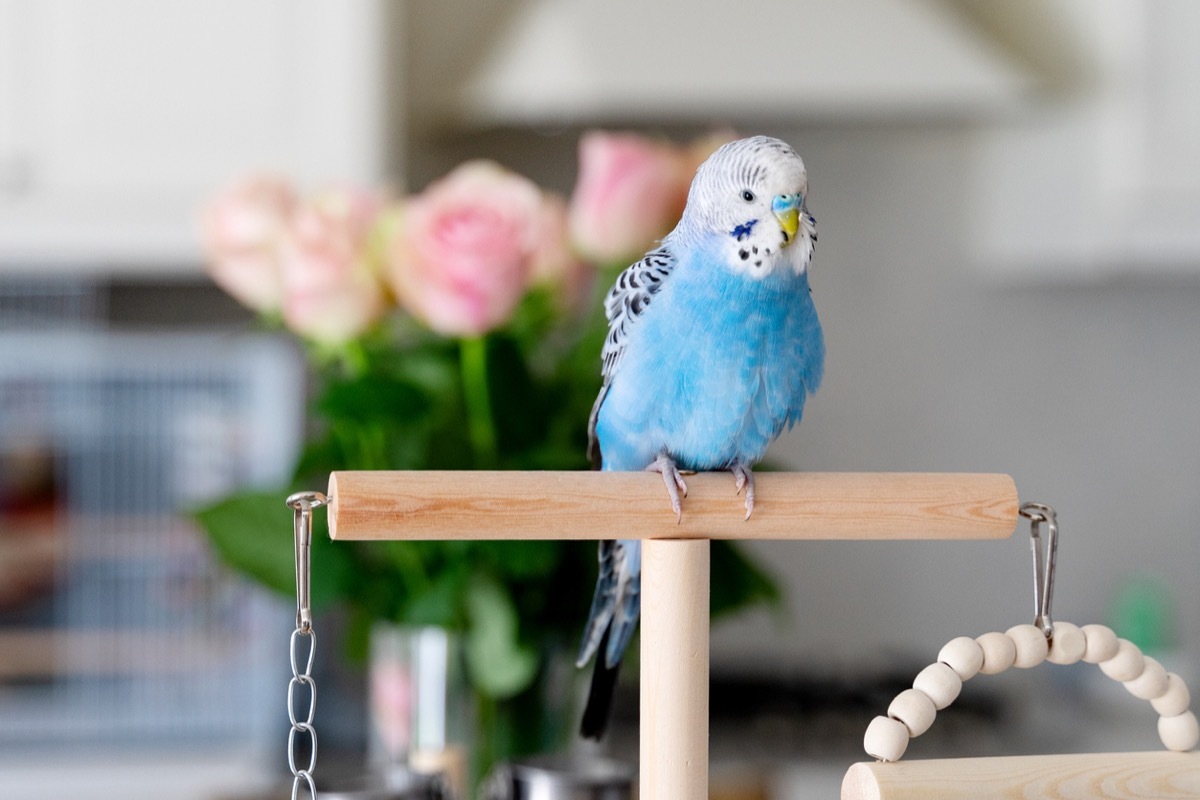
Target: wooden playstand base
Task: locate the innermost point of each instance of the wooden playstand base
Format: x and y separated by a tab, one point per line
1084	776
675	586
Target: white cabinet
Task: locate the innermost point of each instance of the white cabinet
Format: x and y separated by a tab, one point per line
1103	181
553	62
118	118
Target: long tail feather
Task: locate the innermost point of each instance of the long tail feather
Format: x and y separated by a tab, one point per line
628	602
604	604
600	696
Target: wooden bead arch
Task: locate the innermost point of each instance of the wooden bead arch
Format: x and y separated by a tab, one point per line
1084	776
912	712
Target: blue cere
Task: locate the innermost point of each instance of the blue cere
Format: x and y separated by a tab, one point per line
785	202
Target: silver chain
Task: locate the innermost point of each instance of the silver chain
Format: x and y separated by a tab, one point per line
302	504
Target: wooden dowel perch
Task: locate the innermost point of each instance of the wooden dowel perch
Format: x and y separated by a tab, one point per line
625	505
1086	776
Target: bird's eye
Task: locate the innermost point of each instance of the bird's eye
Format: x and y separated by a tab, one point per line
748	195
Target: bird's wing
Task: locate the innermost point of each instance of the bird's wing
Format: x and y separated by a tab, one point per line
628	299
625	303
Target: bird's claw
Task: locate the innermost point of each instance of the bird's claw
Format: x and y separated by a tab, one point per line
743	478
673	480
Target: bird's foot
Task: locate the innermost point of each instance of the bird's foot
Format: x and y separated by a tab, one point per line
744	479
665	466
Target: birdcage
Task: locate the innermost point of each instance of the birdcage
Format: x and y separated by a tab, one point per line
116	624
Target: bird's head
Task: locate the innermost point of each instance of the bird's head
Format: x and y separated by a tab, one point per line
750	195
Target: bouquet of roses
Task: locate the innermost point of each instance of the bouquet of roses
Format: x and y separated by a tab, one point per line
456	328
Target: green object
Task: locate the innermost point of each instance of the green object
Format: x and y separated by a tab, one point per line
500	666
1143	613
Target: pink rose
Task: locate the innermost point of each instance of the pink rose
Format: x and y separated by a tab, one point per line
630	192
241	230
555	262
461	252
331	289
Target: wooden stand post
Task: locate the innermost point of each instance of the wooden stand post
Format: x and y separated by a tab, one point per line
674	677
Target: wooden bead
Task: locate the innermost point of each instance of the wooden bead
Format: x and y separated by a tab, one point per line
914	708
886	739
1031	645
1151	683
939	683
963	655
999	652
1175	700
1067	645
1127	664
1180	732
1101	643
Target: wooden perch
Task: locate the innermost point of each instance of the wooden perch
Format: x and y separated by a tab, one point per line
1084	776
625	505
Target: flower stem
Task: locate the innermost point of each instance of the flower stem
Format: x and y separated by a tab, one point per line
480	424
355	359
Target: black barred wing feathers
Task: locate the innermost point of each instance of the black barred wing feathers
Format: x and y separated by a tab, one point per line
626	301
629	297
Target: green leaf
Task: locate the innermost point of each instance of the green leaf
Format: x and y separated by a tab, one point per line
252	533
440	604
317	460
737	581
520	407
373	397
499	666
520	560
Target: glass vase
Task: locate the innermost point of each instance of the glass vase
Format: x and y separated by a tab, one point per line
419	703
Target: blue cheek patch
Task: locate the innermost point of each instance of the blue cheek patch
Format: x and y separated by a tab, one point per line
742	231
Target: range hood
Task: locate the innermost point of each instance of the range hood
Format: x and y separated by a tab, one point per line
552	62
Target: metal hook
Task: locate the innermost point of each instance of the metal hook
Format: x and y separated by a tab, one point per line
303	503
1043	563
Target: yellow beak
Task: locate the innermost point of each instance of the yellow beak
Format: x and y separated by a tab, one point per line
789	222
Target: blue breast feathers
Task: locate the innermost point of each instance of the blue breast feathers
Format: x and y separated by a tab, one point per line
719	367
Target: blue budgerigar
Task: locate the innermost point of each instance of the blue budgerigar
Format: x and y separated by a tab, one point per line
713	346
